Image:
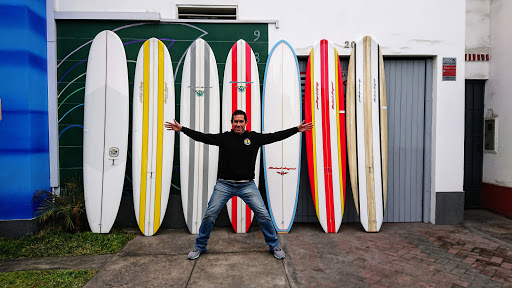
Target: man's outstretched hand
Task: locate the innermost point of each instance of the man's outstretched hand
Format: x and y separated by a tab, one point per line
173	126
303	127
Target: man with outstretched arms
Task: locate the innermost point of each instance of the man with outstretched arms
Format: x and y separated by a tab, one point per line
238	149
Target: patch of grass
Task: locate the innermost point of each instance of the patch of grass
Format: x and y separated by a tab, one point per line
46	278
51	243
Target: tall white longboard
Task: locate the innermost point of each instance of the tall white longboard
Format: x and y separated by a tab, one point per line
105	130
282	109
367	132
152	145
241	90
200	110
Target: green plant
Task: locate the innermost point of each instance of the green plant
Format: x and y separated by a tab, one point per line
67	208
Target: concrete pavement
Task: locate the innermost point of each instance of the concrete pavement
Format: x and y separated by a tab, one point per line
475	254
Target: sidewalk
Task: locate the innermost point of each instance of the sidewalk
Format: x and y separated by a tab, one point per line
476	254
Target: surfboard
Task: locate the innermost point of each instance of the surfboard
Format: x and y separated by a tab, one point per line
241	90
152	145
325	143
105	130
367	132
282	109
200	110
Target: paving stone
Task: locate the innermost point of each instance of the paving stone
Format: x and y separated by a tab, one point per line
480	265
65	262
143	271
372	279
474	272
458	271
506	265
464	265
501	252
488	271
450	266
492	284
469	260
401	255
482	277
461	283
461	255
222	270
467	278
496	260
477	284
498	279
442	260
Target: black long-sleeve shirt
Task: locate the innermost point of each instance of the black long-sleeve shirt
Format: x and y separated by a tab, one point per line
237	153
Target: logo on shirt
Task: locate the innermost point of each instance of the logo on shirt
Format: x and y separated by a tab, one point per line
247	141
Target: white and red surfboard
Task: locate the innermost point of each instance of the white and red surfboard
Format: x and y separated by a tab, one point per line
241	90
325	143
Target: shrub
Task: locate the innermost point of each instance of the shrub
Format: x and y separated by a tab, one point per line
65	209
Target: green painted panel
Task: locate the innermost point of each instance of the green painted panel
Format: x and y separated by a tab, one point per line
74	39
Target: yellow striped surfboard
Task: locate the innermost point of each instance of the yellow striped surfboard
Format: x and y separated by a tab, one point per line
152	144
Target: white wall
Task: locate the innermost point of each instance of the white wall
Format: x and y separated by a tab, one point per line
478	40
164	7
498	95
434	28
402	28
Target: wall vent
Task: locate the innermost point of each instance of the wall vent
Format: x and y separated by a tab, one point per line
207	12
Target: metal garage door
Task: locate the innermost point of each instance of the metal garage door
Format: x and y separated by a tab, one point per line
409	90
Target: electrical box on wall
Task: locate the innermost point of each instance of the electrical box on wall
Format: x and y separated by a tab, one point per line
490	135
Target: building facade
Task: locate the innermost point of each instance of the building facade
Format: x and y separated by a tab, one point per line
419	40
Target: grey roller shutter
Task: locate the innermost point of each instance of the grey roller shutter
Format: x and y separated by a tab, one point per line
408	89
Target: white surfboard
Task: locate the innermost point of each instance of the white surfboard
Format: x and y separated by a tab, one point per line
241	90
152	145
105	130
200	111
282	109
367	143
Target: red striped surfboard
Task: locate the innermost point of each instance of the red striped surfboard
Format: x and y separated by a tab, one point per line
241	90
325	143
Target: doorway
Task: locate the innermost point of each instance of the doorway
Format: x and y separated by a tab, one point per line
473	142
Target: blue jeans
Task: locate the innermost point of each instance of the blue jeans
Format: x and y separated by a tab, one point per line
225	190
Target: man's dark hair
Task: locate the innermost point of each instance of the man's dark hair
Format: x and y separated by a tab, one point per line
239	112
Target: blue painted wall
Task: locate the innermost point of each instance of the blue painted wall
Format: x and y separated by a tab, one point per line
24	158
